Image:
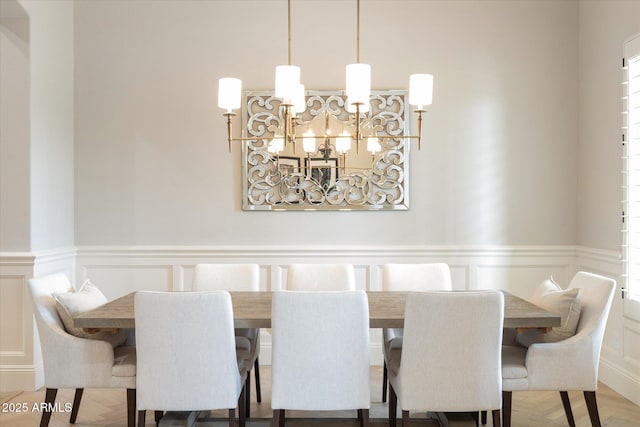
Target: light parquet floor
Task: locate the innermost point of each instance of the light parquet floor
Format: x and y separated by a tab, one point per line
107	408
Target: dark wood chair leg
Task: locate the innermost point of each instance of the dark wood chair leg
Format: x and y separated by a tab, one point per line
76	405
131	407
405	418
142	418
483	417
278	417
384	382
247	396
442	419
242	402
363	417
592	407
393	406
495	414
476	418
232	416
256	367
566	404
49	400
158	416
506	409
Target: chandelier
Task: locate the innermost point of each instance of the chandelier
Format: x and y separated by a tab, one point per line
293	102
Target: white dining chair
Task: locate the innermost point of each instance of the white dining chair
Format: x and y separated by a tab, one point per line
409	277
236	277
79	363
320	358
570	364
321	277
450	357
187	357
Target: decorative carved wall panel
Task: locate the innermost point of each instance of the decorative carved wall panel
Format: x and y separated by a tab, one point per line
324	180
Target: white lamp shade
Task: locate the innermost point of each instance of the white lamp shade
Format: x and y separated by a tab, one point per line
343	142
364	108
309	142
229	93
359	83
287	78
420	90
276	145
373	145
299	101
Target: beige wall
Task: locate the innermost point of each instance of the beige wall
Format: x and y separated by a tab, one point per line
498	164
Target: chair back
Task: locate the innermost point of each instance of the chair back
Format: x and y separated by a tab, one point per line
320	358
451	355
321	277
226	277
50	326
416	277
596	293
186	351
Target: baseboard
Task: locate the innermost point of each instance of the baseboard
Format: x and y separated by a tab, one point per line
19	378
620	380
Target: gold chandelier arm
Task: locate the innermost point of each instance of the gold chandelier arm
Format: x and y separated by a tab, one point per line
420	126
229	116
357	104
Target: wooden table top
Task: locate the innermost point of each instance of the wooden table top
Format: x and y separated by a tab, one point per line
253	310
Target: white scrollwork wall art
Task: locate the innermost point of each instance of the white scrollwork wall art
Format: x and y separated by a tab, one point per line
328	171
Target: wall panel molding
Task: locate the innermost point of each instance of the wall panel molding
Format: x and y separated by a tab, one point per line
121	269
20	358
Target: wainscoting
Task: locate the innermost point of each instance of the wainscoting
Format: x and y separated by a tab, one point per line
120	270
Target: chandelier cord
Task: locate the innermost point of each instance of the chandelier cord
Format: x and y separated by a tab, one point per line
289	30
357	32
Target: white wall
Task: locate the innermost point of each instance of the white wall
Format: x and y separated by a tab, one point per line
498	164
14	128
52	118
604	26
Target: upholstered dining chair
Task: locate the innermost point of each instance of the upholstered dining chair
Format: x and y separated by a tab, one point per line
409	277
79	363
570	364
236	277
320	353
187	358
450	357
321	277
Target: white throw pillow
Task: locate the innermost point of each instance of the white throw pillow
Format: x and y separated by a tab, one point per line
565	303
88	297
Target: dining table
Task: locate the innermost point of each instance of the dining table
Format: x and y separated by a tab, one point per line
253	310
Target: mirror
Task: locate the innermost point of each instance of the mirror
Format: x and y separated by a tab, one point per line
324	169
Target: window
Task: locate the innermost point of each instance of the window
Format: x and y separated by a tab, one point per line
631	174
